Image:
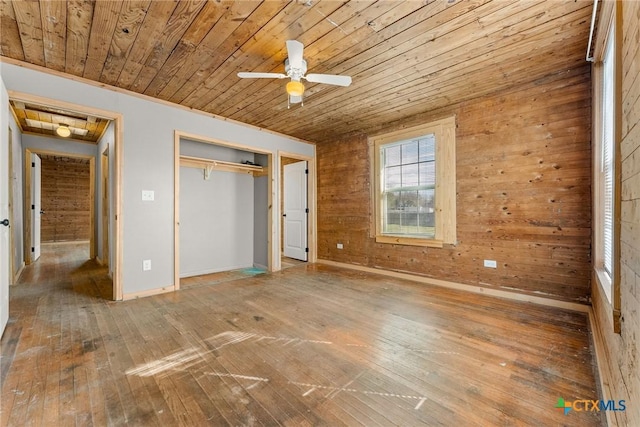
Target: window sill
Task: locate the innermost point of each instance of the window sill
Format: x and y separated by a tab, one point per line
410	241
604	281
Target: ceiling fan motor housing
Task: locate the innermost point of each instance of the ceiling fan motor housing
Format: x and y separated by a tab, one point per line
295	73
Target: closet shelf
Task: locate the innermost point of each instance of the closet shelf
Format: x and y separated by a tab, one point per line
220	165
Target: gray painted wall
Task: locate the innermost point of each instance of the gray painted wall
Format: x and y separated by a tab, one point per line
217	224
148	159
214	152
46	143
216	221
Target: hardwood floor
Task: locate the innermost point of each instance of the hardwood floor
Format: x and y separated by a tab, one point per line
311	345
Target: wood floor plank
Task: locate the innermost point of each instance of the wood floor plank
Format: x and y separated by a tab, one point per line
310	345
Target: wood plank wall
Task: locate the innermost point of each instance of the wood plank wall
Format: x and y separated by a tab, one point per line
523	194
622	350
65	199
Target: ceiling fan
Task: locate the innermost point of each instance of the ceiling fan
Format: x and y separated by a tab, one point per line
295	68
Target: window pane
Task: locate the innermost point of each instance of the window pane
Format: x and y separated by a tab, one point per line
392	156
392	177
410	175
426	203
409	152
427	173
427	148
391	210
401	213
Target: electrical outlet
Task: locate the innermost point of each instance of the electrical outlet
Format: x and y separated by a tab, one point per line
340	246
489	263
148	195
146	265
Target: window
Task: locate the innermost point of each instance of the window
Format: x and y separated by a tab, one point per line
605	163
606	167
414	199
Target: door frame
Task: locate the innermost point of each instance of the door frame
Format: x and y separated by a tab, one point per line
28	177
312	243
34	217
118	147
104	213
286	213
12	258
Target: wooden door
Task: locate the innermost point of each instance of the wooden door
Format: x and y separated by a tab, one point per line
295	210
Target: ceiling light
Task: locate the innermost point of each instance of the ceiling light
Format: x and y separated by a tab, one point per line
295	88
63	130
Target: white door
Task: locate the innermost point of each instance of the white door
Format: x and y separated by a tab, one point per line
295	211
36	185
4	225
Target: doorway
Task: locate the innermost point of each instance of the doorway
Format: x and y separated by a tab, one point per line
297	209
92	119
68	211
294	210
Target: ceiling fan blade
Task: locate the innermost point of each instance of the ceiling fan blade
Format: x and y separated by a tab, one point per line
294	52
249	75
330	79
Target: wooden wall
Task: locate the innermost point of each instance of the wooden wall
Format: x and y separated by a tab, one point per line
65	199
523	194
622	351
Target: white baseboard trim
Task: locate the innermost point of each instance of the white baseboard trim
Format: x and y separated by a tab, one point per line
582	308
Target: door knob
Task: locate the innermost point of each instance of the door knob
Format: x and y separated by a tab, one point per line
5	222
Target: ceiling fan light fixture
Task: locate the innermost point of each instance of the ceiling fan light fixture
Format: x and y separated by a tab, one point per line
63	130
295	88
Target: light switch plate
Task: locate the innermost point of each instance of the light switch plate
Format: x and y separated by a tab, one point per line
148	195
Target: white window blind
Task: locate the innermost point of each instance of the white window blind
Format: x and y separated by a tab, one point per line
608	154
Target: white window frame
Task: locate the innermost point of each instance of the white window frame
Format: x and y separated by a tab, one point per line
606	166
444	131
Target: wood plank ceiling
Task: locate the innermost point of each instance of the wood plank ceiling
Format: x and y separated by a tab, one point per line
43	120
405	57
